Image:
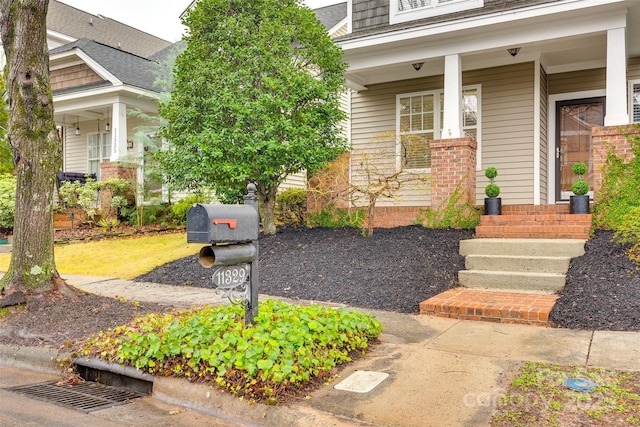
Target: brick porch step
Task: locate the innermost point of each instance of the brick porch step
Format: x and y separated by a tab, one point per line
539	223
491	306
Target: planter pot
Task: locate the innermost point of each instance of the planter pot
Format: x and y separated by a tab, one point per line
579	204
492	206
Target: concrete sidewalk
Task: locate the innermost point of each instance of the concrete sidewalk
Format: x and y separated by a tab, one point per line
440	371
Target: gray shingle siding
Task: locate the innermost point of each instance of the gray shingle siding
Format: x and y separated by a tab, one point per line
369	14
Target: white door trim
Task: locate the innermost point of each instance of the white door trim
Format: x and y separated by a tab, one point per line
551	159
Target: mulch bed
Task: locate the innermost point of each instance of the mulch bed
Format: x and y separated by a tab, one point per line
394	270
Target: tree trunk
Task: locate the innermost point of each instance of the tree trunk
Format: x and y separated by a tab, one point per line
34	141
371	216
266	208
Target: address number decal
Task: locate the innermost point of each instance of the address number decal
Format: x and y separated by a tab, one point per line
231	276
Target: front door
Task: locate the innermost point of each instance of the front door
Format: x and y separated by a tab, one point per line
574	119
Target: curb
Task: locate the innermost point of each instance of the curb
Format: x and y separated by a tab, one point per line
36	359
179	391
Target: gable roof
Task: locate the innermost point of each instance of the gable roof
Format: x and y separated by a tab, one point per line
130	69
78	24
331	15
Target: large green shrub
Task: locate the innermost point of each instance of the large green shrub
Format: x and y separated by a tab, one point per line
619	193
618	201
7	200
76	195
332	217
291	207
179	210
629	232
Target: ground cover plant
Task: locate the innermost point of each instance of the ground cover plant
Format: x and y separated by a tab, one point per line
287	348
538	396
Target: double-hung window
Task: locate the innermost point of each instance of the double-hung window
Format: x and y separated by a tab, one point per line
634	101
409	10
99	151
419	120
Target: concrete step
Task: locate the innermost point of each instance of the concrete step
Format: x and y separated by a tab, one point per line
518	281
541	264
491	306
523	247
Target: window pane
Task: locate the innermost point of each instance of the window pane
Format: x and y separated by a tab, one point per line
470	107
416	122
404	105
412	4
636	103
427	103
415	150
106	146
416	104
94	151
428	121
405	123
94	167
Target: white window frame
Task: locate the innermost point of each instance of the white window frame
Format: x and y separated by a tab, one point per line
437	109
478	126
437	129
632	84
397	16
104	138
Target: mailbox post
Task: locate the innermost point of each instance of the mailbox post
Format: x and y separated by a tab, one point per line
231	231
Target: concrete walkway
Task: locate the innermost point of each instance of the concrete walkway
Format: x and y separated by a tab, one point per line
440	371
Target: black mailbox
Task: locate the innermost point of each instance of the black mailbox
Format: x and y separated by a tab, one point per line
215	224
231	233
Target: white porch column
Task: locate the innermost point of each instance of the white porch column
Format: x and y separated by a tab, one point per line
617	106
452	121
119	131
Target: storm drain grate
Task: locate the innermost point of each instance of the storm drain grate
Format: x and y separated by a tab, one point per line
86	397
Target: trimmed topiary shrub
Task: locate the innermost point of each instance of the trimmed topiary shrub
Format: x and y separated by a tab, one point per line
580	187
491	190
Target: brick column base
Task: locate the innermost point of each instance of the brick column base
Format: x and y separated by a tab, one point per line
115	170
610	136
453	163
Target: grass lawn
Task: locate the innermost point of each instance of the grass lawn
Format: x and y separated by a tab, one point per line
124	258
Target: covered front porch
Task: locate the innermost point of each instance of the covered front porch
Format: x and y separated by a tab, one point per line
493	90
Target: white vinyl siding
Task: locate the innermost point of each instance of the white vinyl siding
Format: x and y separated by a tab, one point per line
577	81
507	122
